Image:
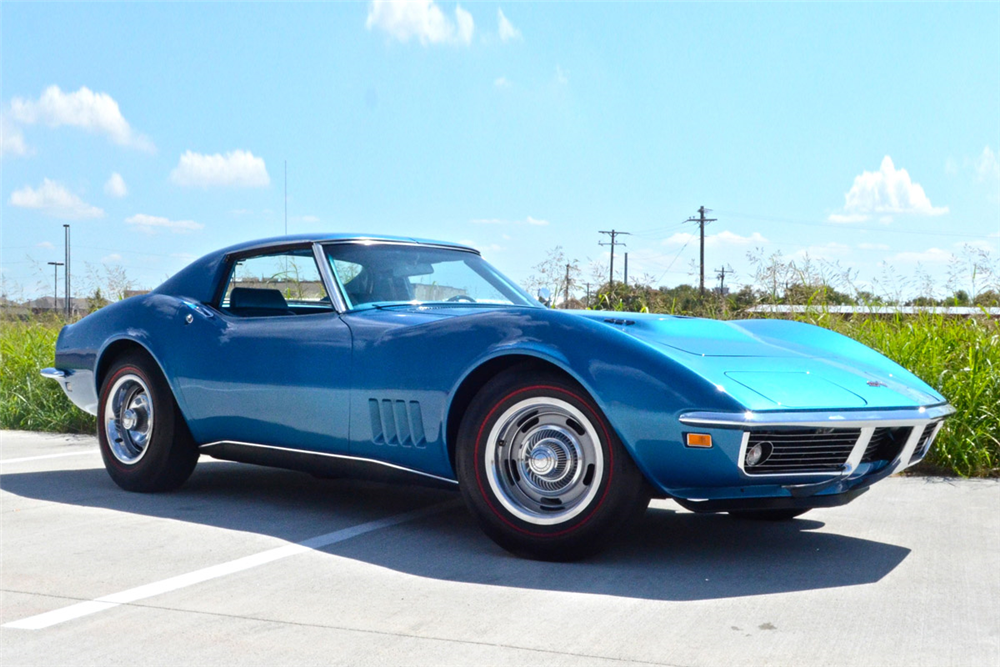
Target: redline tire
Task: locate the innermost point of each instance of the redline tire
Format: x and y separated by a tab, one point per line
541	469
166	456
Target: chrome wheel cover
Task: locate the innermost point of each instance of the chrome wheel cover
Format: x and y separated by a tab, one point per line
544	460
128	418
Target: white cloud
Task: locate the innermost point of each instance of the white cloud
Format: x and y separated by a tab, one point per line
828	251
113	258
561	76
309	218
465	25
53	199
422	19
115	187
888	190
11	138
987	167
725	238
501	82
507	30
94	112
234	169
847	218
537	222
873	246
151	224
951	166
45	245
929	256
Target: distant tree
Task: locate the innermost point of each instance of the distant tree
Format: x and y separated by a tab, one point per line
551	273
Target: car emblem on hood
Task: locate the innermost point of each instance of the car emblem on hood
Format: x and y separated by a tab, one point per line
876	383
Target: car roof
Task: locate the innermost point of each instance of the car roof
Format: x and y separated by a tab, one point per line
199	279
334	237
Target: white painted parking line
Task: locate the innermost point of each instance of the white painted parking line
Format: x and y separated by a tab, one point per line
78	610
25	459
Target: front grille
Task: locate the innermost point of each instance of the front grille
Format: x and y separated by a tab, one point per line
803	450
923	444
886	444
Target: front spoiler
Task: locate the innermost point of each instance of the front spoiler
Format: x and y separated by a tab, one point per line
781	503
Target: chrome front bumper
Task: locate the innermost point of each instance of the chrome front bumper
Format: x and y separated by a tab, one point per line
867	421
77	384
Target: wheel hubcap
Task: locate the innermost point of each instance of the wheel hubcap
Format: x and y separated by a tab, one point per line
128	418
544	460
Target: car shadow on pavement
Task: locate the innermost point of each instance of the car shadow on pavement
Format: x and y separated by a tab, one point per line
667	555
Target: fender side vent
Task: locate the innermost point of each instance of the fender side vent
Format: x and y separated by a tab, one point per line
619	322
397	423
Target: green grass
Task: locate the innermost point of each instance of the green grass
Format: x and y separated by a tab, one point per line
27	400
958	357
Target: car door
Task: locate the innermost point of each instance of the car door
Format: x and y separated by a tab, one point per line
273	358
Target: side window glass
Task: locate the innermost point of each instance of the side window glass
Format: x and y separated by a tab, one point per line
276	285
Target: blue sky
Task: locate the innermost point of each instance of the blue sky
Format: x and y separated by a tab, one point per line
516	127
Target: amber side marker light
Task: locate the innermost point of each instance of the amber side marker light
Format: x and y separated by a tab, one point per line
703	440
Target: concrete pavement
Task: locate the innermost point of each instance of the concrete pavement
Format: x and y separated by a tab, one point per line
247	565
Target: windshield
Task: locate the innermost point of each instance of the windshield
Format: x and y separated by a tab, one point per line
385	274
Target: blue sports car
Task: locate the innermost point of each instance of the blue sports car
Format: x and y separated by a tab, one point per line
399	358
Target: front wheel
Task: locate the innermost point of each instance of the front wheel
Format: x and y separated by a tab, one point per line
143	438
542	470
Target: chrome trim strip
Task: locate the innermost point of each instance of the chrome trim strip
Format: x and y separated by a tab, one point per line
329	282
53	374
904	456
327	454
844	419
930	443
374	241
854	460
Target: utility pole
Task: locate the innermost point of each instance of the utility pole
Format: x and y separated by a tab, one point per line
286	197
68	291
626	269
588	294
566	291
614	234
721	275
701	220
55	284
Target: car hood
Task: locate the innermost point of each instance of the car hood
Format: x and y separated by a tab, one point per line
775	367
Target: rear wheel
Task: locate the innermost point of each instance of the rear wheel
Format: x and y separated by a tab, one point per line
143	438
541	469
768	515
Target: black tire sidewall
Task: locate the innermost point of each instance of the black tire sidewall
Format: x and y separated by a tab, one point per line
151	472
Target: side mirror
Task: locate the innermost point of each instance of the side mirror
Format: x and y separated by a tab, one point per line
545	295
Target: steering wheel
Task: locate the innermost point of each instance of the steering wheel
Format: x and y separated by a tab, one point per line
461	297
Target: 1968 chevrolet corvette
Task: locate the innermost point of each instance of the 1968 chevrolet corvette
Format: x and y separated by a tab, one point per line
408	359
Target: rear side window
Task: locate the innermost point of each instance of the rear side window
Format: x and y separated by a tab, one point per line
275	285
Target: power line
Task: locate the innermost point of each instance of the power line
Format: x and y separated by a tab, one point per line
846	226
614	234
673	261
702	221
